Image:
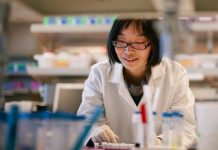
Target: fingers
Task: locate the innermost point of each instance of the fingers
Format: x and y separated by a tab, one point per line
116	138
113	138
105	134
97	139
101	135
158	141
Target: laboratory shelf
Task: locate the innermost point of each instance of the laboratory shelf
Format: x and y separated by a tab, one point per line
200	74
41	28
196	76
12	92
204	71
17	74
34	71
206	26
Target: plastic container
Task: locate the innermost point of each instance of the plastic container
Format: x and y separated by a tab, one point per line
28	125
46	60
62	60
177	129
60	131
46	131
166	129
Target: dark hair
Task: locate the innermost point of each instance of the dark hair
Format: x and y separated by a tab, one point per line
145	25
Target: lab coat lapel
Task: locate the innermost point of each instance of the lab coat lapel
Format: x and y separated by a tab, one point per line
156	82
116	76
123	91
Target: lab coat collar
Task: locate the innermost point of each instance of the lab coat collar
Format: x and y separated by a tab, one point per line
157	71
116	74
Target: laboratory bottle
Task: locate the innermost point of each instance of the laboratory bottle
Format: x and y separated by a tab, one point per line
166	129
155	117
138	130
177	129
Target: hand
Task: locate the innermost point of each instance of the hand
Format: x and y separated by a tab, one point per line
158	141
104	134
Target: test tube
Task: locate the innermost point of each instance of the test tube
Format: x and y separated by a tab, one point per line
138	129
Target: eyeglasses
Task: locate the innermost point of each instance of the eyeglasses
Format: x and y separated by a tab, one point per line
135	45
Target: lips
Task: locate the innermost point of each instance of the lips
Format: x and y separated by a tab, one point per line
130	59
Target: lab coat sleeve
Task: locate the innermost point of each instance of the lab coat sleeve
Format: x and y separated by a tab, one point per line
92	95
183	100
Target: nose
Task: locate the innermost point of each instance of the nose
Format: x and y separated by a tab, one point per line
127	49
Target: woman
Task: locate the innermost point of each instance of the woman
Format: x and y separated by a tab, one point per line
134	60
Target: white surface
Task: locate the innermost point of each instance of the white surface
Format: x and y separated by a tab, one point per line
207	124
205	26
204	72
204	93
57	71
196	76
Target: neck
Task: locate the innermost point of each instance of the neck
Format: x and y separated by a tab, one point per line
134	76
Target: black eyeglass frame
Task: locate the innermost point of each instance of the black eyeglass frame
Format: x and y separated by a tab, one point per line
146	45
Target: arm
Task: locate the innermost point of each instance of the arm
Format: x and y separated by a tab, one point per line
92	97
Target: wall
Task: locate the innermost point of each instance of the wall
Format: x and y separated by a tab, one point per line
20	41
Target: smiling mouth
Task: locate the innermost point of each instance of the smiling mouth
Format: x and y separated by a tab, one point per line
130	60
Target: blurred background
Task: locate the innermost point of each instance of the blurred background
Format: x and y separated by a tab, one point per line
51	42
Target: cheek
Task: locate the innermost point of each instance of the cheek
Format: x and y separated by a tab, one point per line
146	54
118	54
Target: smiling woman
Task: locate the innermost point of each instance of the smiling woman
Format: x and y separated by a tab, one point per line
116	84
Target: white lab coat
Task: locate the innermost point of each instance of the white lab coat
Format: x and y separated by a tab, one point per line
106	87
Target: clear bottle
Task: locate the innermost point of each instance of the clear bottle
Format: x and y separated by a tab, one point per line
156	120
177	129
166	129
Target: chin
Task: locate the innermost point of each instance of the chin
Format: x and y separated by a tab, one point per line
131	67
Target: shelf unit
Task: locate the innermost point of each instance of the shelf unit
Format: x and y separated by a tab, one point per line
18	84
86	33
78	34
70	72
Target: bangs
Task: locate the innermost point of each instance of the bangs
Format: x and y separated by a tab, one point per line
137	24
